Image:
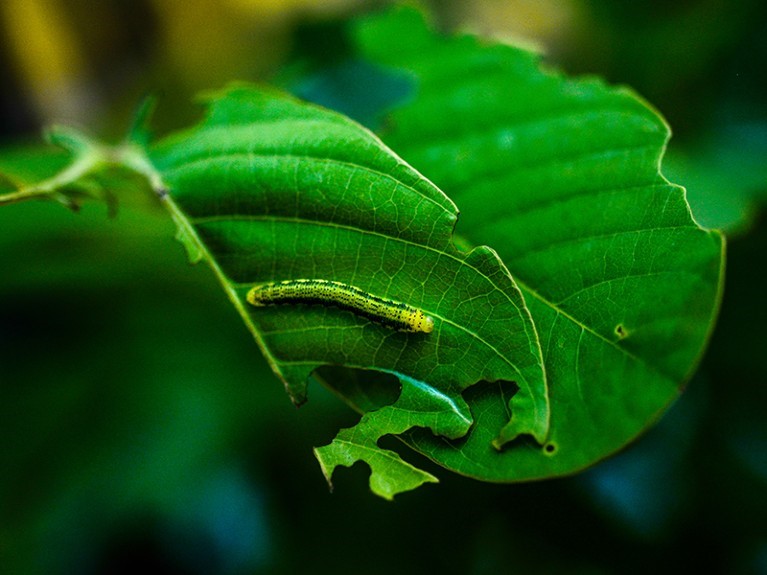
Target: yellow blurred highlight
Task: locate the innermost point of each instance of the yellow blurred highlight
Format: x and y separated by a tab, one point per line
49	60
282	8
200	40
200	44
540	25
211	43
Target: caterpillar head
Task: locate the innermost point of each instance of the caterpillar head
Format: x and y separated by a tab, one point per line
420	322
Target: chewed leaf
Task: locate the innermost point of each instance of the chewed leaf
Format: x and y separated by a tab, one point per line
389	473
270	189
418	406
563	177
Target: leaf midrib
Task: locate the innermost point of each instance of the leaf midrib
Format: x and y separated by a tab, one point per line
303	221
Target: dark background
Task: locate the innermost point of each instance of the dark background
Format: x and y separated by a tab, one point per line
139	425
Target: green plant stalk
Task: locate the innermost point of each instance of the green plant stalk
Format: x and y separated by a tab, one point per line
90	157
94	159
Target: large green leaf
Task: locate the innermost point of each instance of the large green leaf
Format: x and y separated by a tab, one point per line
563	178
268	188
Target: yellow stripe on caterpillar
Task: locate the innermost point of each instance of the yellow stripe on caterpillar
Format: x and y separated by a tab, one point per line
394	314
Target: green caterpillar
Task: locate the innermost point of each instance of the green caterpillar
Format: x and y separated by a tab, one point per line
394	314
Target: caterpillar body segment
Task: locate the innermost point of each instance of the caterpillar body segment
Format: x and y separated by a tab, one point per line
396	315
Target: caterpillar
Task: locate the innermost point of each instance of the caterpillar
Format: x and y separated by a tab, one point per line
394	314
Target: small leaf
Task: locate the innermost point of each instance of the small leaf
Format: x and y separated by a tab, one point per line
72	140
140	132
389	475
419	405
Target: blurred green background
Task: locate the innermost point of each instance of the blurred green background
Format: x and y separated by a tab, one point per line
140	427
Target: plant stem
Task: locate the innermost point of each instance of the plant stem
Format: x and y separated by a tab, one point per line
87	162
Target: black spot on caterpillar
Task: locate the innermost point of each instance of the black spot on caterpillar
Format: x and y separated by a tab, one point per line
394	314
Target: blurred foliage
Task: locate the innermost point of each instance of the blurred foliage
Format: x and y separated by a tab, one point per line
140	427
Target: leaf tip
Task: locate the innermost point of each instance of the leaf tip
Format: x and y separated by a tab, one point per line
193	252
139	132
69	139
327	471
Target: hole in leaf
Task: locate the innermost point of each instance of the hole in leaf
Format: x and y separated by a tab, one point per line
489	401
550	448
366	389
621	331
